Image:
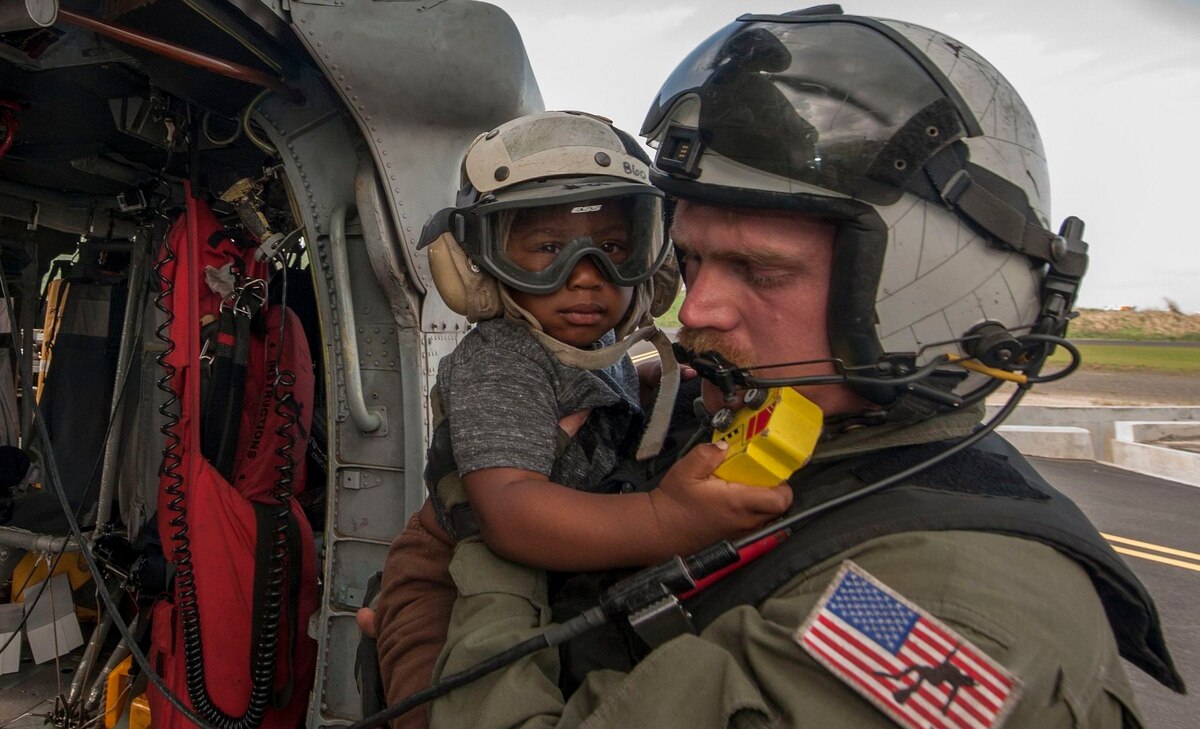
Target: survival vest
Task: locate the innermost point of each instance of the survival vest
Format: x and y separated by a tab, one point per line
989	487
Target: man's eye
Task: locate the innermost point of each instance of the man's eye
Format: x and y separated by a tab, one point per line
762	276
552	248
612	246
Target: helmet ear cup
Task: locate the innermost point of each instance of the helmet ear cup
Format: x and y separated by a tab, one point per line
466	289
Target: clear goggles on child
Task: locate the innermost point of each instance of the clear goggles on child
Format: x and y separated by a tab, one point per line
532	237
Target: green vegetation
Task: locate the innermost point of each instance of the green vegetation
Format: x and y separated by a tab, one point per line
1145	325
1133	334
1142	357
670	320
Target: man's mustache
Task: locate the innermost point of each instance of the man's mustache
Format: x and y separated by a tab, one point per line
707	340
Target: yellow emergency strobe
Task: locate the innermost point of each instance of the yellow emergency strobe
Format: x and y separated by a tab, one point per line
770	442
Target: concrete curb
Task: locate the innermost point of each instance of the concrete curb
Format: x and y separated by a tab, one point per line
1100	421
1138	446
1050	441
1126	437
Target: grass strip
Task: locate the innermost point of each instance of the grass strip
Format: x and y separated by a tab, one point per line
1134	357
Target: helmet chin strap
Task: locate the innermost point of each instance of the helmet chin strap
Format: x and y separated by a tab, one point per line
628	334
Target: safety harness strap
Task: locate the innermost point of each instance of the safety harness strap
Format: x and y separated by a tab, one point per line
222	409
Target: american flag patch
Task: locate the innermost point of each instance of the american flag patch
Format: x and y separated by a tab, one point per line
902	659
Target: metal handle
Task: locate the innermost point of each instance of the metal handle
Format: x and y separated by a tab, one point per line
367	419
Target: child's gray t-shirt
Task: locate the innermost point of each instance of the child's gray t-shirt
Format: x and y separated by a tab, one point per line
503	394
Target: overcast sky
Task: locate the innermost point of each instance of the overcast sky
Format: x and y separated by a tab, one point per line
1114	86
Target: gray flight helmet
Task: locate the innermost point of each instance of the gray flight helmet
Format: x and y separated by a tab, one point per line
922	153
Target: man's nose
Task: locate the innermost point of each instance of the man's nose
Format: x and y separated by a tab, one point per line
708	302
586	274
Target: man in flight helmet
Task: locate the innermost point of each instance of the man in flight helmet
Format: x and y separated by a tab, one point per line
862	215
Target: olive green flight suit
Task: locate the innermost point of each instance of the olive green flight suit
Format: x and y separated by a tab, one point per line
1025	604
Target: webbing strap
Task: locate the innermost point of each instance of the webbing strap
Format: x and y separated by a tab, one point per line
594	359
949	172
222	412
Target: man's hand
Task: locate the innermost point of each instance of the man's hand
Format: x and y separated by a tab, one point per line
695	508
650	374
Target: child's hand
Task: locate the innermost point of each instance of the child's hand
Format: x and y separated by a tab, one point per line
695	508
365	617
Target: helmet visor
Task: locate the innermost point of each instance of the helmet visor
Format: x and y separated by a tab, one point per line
532	240
813	101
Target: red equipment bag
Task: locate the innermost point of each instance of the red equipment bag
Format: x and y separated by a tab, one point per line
221	536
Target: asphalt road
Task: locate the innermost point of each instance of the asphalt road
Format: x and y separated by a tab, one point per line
1154	524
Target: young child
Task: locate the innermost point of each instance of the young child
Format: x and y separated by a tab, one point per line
553	251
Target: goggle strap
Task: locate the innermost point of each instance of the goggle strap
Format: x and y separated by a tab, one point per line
594	359
668	388
591	359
